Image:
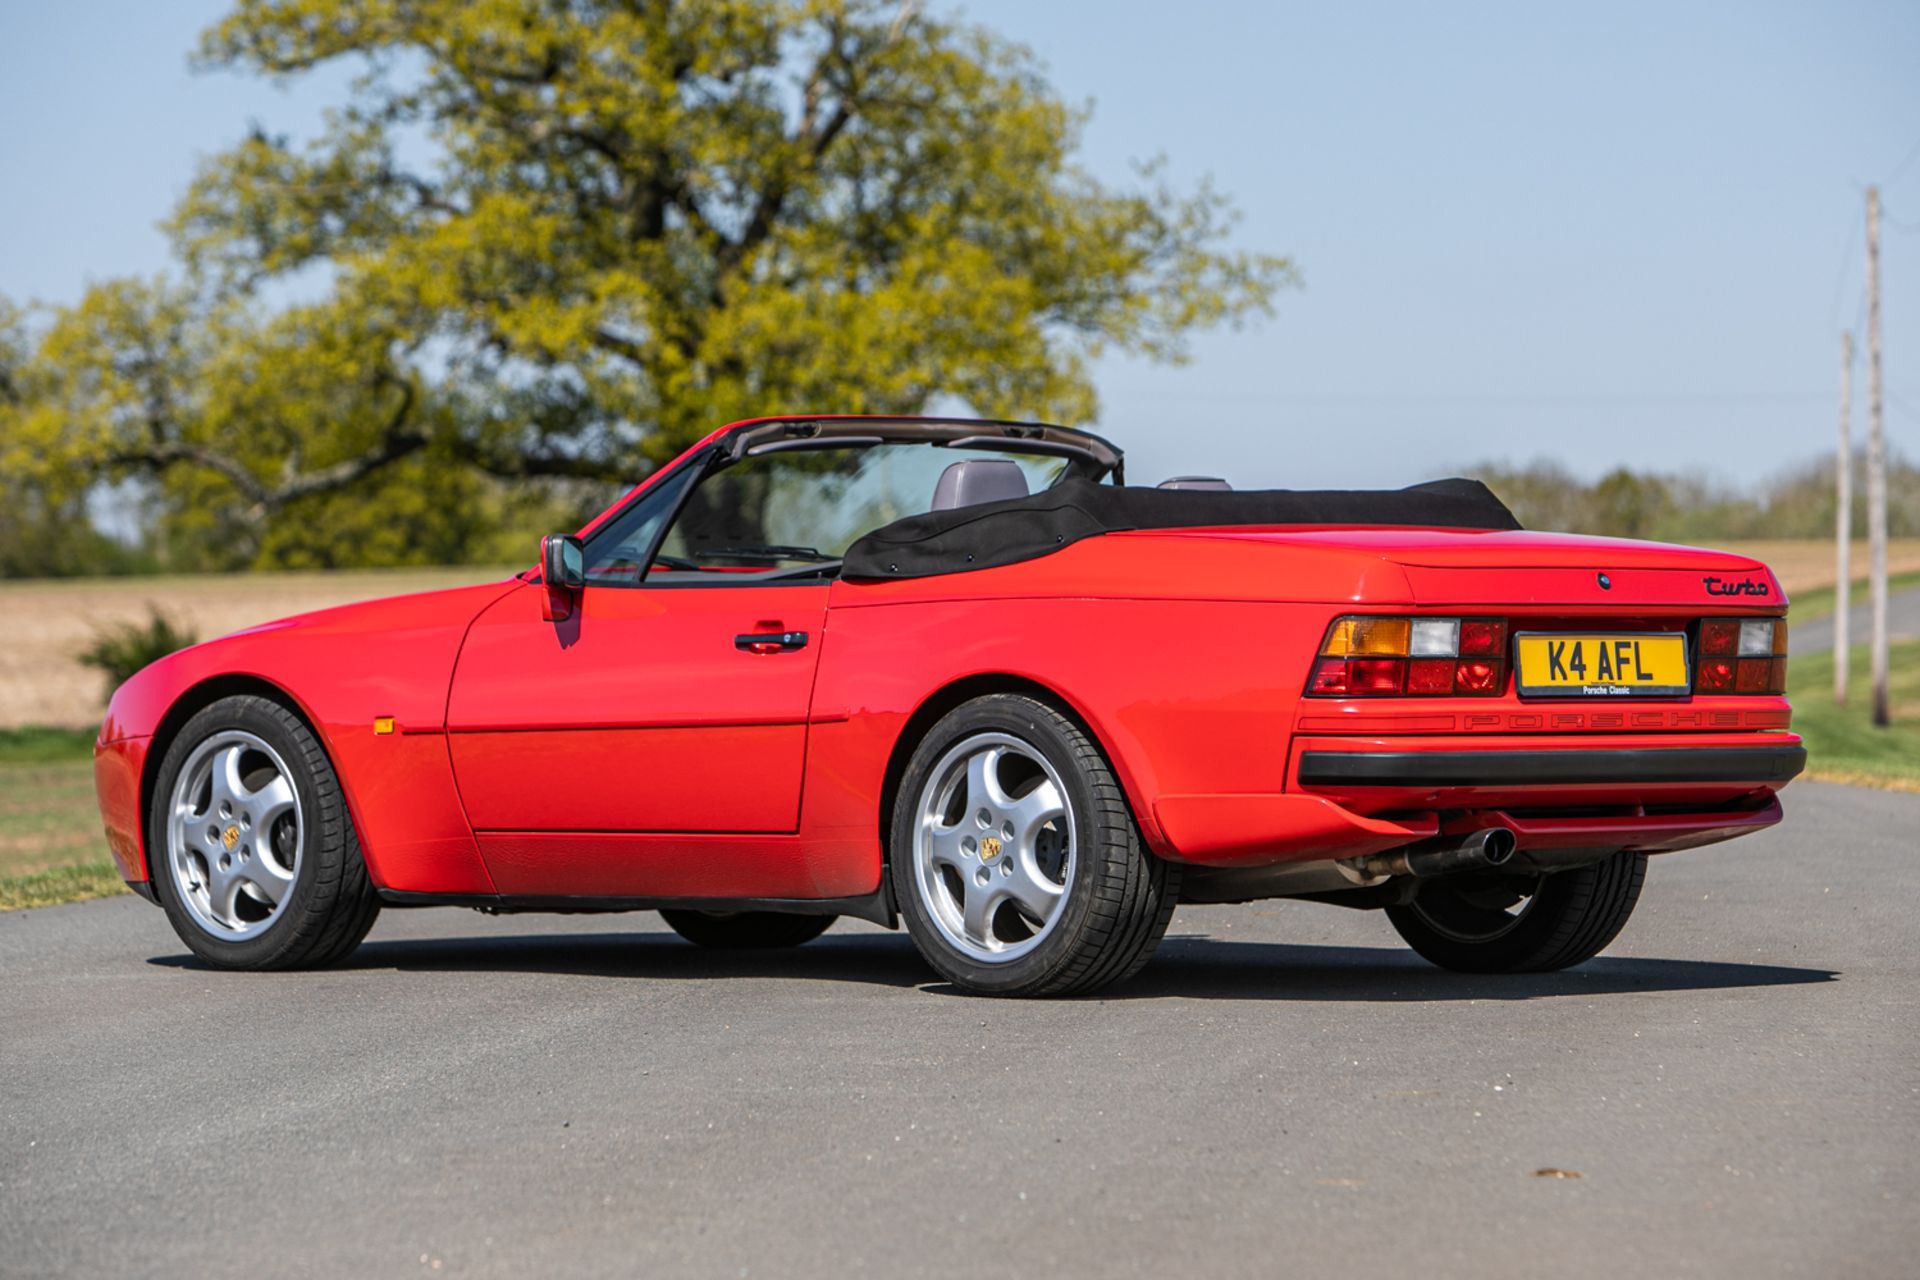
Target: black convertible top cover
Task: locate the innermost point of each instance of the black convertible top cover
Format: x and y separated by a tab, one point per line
1001	533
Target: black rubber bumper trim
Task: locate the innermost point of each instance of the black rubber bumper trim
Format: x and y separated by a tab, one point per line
1549	767
876	906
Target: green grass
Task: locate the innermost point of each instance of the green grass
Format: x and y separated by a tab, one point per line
1818	602
51	846
39	745
61	884
1842	743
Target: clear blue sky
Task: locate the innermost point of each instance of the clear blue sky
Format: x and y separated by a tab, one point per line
1622	233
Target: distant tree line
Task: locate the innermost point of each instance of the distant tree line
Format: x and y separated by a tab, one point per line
1686	507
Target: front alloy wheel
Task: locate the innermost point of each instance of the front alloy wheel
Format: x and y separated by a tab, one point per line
233	845
253	853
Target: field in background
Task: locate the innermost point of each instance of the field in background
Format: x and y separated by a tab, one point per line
51	849
1805	567
44	624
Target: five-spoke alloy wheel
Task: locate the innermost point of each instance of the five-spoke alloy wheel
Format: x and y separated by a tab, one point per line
994	847
1015	859
233	842
252	852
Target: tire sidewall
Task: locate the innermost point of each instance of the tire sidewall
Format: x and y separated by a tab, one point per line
1538	941
318	798
1038	727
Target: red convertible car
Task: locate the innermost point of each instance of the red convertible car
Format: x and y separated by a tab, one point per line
958	673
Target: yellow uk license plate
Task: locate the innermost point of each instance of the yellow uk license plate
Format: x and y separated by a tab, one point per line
1563	665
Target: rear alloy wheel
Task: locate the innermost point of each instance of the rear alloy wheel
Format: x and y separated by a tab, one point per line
746	930
1015	860
1517	924
253	854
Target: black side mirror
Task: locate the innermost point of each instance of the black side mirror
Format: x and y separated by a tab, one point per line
563	569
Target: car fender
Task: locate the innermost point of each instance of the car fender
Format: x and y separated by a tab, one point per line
342	670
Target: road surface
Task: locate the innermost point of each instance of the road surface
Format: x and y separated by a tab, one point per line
1734	1090
1816	635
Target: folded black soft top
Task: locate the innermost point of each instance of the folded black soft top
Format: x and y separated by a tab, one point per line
1001	533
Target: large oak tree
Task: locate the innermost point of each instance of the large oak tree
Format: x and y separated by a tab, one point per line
562	238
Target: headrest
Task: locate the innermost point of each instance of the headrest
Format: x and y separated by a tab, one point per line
1194	482
977	480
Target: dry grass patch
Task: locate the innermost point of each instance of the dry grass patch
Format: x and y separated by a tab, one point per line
1804	564
44	624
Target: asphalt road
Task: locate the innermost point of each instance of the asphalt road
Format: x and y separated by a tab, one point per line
1285	1091
1816	636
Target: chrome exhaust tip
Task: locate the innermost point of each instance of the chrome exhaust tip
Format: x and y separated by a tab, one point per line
1484	850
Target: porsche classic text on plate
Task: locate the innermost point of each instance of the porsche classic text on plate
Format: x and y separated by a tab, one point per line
959	674
1610	666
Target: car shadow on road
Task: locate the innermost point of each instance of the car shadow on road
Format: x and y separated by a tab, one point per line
1197	966
865	958
1190	966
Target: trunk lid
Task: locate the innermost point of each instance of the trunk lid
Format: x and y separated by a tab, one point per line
1512	568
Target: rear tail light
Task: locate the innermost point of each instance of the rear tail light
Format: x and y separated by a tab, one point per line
1416	657
1742	655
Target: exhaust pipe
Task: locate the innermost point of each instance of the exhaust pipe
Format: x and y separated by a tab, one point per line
1482	850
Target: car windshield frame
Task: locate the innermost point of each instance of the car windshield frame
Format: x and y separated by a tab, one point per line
656	512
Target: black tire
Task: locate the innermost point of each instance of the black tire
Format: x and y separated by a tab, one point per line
332	902
1569	917
1118	897
746	930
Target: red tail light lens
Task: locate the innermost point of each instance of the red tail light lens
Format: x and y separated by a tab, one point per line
1742	655
1419	657
1477	677
1720	639
1483	637
1716	675
1376	675
1329	676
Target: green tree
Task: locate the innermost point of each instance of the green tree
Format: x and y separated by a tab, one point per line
564	239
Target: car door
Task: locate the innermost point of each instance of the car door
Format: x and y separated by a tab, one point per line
671	702
656	716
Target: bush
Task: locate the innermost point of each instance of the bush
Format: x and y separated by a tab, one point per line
120	651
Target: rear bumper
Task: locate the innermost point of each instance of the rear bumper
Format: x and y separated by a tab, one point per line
1350	796
1768	765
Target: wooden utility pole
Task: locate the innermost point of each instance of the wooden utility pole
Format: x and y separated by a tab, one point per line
1876	470
1843	524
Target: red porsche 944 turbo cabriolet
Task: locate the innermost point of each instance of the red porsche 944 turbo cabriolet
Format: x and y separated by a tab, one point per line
958	672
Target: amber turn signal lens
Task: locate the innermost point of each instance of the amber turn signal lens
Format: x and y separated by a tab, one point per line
1368	637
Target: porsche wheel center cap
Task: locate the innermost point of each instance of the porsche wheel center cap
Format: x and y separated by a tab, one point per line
989	848
230	837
